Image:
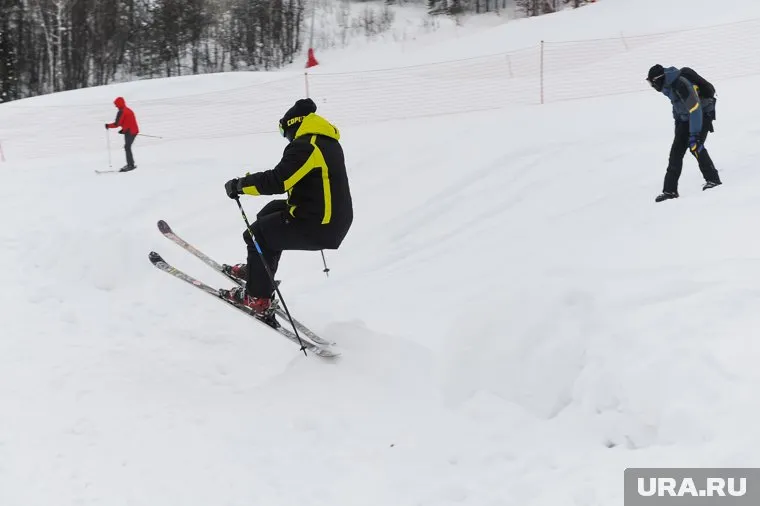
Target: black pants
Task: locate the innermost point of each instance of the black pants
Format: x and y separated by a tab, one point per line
128	140
678	150
275	231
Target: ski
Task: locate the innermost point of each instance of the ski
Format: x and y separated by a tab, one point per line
318	350
114	171
167	231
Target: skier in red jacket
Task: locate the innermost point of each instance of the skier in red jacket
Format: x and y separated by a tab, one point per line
125	119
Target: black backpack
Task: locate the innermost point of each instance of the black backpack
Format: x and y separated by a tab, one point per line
704	88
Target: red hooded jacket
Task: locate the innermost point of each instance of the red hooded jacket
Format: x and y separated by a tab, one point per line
125	118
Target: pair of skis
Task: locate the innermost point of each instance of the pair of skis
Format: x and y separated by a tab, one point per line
308	339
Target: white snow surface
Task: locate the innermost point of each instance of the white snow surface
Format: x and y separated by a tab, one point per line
519	321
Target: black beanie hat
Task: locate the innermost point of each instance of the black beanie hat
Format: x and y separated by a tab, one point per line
656	72
293	117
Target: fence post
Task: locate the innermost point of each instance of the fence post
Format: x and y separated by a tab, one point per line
509	66
542	72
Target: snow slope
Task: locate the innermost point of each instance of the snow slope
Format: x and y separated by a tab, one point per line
519	321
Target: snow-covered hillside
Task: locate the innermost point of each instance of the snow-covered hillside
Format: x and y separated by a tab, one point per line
519	320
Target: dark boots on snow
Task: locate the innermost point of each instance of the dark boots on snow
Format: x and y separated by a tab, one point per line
674	195
666	196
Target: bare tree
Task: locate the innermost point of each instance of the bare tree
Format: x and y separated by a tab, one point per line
9	57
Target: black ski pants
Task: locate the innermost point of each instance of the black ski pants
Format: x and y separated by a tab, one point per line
275	231
678	150
128	140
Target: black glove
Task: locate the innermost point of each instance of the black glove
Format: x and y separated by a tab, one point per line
106	126
232	188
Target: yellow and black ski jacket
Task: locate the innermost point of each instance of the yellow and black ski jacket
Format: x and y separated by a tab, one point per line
312	172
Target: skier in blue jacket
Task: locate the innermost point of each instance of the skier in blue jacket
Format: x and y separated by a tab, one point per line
693	100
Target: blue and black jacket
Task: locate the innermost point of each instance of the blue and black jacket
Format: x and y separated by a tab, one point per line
687	104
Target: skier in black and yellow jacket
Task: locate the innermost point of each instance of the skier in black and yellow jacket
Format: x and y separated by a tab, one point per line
317	213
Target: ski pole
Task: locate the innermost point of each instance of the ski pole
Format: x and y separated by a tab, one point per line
108	148
151	136
269	272
324	262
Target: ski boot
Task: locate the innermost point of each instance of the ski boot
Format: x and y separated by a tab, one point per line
666	196
239	271
261	307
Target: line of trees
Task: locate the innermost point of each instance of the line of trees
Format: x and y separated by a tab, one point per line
538	7
55	45
455	7
527	7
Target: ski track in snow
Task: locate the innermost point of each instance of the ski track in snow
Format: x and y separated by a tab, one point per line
519	321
